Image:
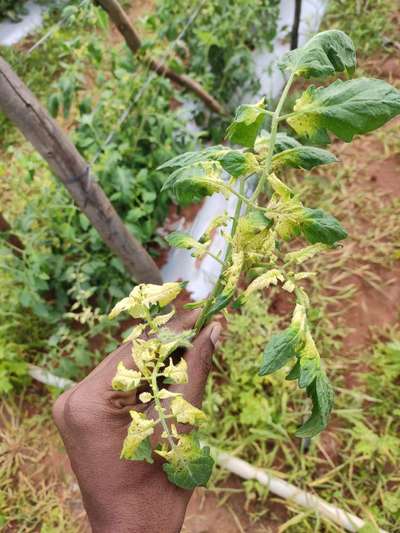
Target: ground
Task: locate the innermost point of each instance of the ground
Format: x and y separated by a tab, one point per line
359	295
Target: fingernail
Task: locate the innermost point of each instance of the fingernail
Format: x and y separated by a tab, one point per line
215	333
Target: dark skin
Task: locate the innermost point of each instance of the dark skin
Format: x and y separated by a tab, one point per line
126	496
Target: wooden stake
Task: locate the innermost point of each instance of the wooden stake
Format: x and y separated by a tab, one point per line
132	39
29	116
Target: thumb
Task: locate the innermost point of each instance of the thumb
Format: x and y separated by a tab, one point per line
198	359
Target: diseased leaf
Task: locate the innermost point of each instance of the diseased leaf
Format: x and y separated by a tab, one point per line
189	465
142	452
324	54
280	349
321	394
306	157
282	142
189	158
234	162
191	183
280	188
319	226
179	239
246	124
136	446
299	256
192	473
345	108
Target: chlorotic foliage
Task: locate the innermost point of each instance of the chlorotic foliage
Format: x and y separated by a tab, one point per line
257	237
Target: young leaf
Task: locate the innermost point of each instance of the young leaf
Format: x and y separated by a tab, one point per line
193	471
178	239
280	349
306	157
326	53
191	183
318	226
345	108
189	158
246	124
321	393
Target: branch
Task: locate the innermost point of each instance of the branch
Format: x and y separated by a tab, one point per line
28	115
12	239
122	22
294	39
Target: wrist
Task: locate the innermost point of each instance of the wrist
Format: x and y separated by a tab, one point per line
145	513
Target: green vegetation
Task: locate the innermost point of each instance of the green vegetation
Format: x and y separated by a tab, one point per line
371	24
66	279
353	464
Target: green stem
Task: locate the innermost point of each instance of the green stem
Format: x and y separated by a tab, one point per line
228	254
216	258
158	406
272	140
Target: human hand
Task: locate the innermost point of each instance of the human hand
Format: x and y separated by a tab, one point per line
126	496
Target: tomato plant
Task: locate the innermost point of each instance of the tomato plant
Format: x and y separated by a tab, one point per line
257	238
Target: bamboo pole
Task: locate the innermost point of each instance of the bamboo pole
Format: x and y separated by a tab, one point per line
29	116
132	39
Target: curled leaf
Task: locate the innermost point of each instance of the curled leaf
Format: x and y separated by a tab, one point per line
324	54
185	412
126	379
136	445
246	124
176	373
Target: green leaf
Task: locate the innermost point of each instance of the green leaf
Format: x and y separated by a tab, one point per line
280	349
308	371
294	372
306	157
321	393
221	301
246	124
191	183
189	158
319	226
237	163
345	108
192	469
326	53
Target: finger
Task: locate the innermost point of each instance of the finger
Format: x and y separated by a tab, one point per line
184	321
198	359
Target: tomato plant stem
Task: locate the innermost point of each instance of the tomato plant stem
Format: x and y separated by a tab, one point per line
228	255
272	139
